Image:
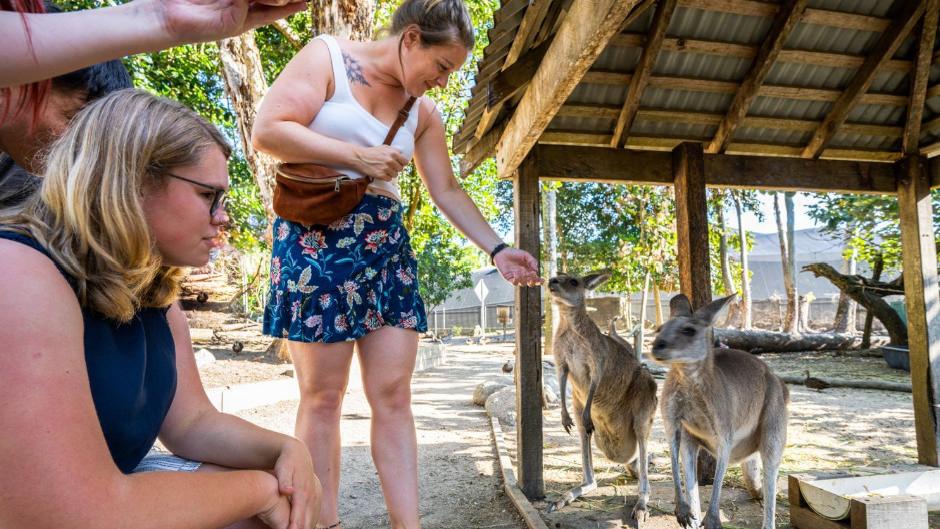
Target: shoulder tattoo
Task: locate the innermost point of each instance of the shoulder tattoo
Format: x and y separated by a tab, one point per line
354	70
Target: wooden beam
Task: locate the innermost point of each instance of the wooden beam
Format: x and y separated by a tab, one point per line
688	168
922	300
920	77
507	84
604	164
644	68
481	150
531	22
708	118
528	323
582	36
797	174
730	87
823	17
787	18
883	51
667	143
747	51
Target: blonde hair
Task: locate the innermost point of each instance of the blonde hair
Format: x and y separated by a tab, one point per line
438	21
89	214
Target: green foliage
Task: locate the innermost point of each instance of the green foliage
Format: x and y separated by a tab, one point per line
628	230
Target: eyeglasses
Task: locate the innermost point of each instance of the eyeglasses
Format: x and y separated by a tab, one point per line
218	198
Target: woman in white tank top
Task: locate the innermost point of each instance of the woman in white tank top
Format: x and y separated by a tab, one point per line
354	281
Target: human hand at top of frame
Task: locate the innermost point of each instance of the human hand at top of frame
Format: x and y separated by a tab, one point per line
204	20
518	267
296	479
382	162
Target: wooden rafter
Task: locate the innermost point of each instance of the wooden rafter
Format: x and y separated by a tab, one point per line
920	76
644	68
747	51
531	21
667	143
507	84
883	51
787	18
729	87
712	119
822	17
580	39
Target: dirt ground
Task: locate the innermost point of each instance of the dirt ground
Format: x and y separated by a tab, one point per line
852	431
459	480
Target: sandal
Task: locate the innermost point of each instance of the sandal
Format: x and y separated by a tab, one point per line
337	525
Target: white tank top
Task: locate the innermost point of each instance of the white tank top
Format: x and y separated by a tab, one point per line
342	117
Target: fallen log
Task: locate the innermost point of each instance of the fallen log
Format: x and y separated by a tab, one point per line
856	384
902	387
761	341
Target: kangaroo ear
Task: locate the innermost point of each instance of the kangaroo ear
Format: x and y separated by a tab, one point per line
707	313
680	306
595	279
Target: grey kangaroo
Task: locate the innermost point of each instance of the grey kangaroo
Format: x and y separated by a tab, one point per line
723	400
613	395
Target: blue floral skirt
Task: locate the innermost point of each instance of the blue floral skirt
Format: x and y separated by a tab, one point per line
336	282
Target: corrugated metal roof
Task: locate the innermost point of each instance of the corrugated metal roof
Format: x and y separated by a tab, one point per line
709	26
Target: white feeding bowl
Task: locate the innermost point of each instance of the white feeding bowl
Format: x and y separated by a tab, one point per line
831	498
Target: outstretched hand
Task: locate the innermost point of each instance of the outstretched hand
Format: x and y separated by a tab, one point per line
203	20
518	267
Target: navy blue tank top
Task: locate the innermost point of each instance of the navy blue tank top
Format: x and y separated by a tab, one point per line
132	372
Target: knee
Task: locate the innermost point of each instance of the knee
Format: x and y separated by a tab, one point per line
391	399
324	401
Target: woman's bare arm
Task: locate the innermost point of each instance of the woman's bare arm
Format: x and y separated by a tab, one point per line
63	42
57	470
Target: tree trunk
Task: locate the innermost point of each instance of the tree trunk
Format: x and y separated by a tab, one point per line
793	299
847	311
869	317
868	293
644	298
348	19
726	281
548	240
745	279
658	304
806	301
852	319
245	86
761	341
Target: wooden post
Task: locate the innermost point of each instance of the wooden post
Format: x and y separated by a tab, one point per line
923	301
688	169
528	324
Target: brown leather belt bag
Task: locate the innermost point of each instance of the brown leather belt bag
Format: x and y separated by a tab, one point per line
311	193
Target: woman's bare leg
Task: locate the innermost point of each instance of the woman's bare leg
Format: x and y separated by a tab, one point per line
323	373
387	357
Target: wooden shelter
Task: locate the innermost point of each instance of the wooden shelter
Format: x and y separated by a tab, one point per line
801	95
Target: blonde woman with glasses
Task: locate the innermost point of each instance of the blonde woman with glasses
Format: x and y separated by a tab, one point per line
97	361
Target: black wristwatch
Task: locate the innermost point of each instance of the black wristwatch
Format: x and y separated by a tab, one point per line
499	247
